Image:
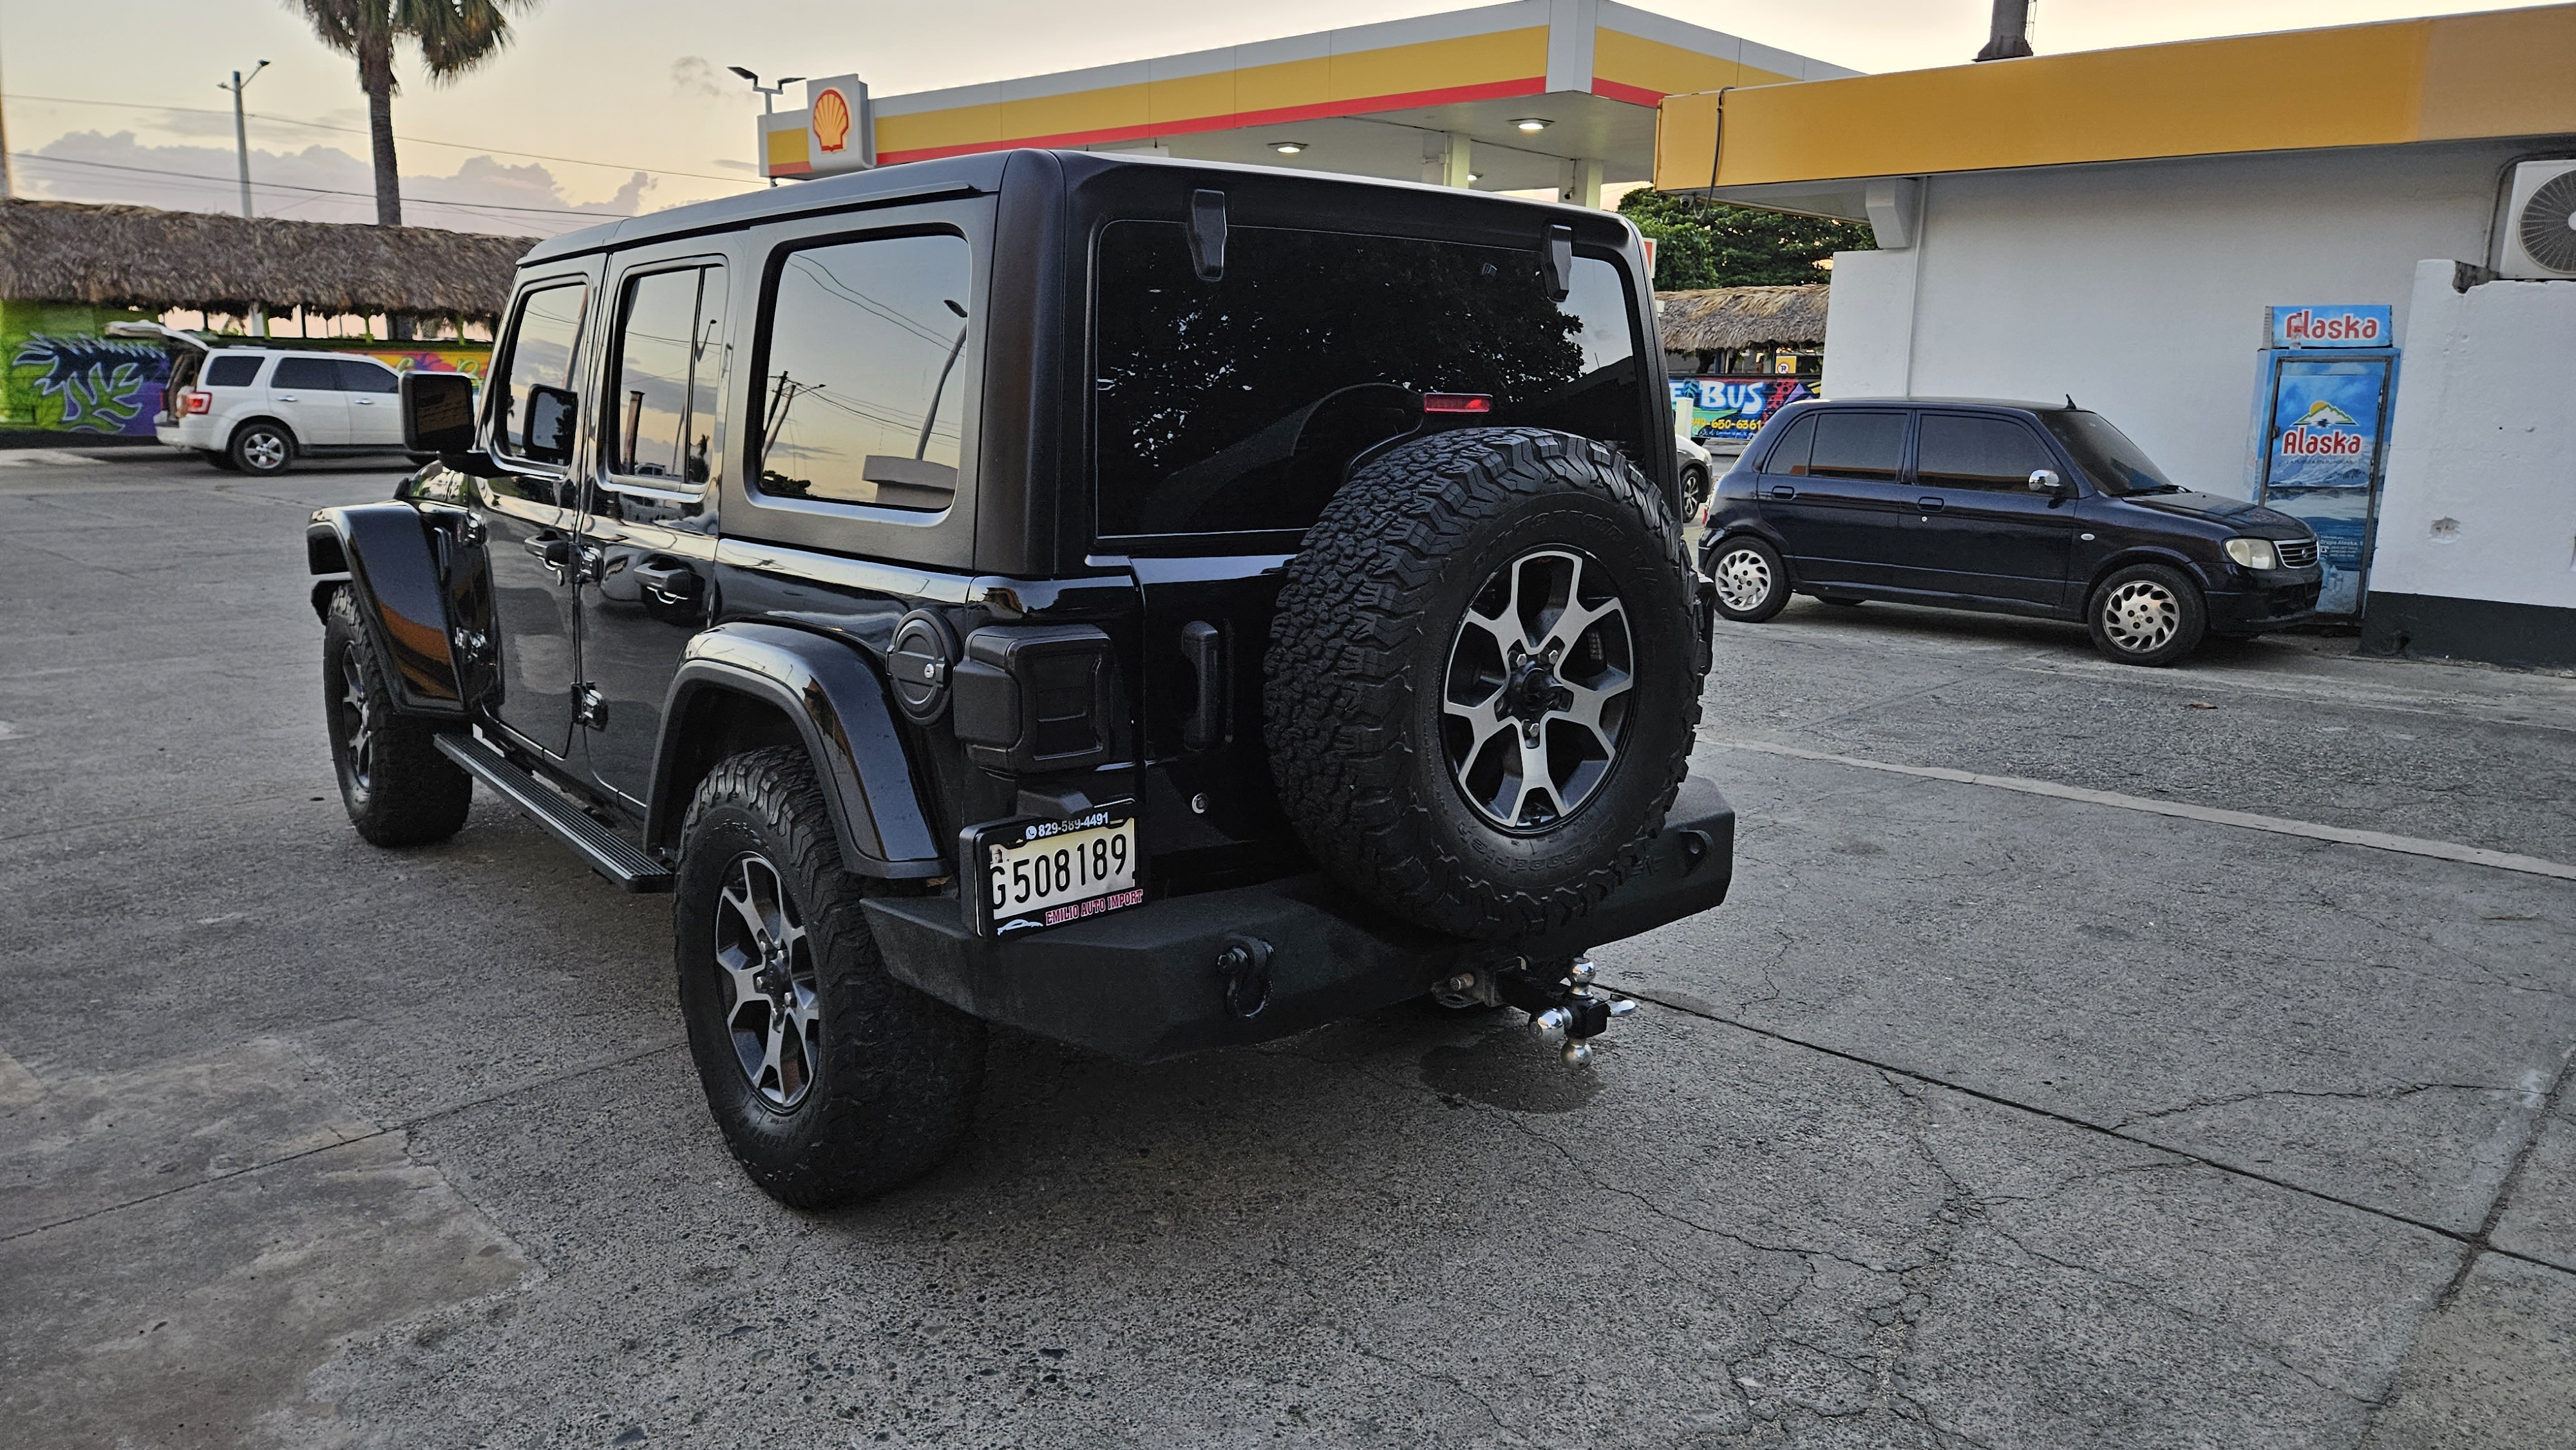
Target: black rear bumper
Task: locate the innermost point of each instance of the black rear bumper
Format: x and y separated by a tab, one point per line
1145	984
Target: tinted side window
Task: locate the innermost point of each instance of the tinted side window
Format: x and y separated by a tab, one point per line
861	392
1858	445
1789	455
1234	405
357	375
544	340
668	360
1962	452
232	372
315	374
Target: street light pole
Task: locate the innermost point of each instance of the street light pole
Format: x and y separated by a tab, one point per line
768	95
241	130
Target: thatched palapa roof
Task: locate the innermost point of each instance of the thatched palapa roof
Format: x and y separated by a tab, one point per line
137	256
1718	318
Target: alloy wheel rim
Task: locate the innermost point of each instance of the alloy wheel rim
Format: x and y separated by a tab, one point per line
773	1012
264	450
357	718
2141	615
1535	702
1743	579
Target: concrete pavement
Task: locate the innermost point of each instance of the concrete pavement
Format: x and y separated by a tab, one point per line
1977	1118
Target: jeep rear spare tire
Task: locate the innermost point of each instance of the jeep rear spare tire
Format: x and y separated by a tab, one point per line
1484	679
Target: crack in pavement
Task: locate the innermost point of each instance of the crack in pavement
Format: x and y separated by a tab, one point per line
2355	1095
2477	1242
404	1125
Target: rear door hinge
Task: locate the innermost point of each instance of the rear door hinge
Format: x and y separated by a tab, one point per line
589	707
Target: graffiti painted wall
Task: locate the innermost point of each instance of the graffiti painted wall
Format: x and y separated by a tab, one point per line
65	376
1732	410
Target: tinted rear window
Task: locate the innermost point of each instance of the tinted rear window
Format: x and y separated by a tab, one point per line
1858	445
357	375
306	372
1235	405
1789	455
232	372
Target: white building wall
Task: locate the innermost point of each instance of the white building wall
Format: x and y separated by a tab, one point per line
2140	287
2480	497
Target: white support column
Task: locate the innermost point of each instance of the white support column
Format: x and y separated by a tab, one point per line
1458	160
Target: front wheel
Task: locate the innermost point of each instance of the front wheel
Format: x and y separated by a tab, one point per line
832	1081
399	790
2147	614
1752	582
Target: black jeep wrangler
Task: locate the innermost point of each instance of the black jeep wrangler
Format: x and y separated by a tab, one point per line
1153	605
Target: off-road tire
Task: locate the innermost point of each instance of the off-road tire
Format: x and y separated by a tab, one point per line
894	1082
2115	629
1752	579
1375	602
261	448
398	789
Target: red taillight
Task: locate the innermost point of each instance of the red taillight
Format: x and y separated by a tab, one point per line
1457	402
197	401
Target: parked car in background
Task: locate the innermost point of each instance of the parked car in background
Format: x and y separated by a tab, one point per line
256	409
2014	508
1697	470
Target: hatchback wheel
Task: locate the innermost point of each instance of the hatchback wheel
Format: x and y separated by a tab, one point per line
1752	583
2147	614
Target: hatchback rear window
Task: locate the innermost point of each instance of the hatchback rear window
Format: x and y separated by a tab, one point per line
1234	405
232	372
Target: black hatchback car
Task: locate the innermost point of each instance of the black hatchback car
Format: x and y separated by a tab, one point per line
2015	508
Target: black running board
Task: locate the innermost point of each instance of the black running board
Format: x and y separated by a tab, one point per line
609	854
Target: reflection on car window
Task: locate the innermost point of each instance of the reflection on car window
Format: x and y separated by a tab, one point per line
358	375
1235	404
2115	464
543	343
316	374
861	391
1957	451
1858	445
1789	455
669	357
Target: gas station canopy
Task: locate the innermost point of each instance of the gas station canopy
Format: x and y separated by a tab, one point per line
1531	95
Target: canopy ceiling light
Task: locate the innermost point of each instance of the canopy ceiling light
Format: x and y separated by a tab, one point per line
1531	123
1287	148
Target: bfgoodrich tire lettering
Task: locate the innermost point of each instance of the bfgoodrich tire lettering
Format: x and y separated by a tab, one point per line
399	790
884	1079
1375	661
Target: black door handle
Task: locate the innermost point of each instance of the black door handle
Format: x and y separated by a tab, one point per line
552	550
1930	503
1782	490
670	583
1203	647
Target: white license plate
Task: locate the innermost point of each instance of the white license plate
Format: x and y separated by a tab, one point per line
1046	873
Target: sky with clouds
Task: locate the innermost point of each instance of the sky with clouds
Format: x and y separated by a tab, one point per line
608	107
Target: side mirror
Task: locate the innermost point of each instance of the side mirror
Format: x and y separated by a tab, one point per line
551	415
2044	480
437	412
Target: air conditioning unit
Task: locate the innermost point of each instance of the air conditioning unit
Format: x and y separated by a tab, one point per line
2540	221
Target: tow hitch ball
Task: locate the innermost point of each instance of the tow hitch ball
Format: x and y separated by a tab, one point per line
1557	995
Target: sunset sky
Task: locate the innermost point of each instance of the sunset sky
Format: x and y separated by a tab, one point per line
607	107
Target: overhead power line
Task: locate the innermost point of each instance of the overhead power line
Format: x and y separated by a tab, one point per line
605	216
131	106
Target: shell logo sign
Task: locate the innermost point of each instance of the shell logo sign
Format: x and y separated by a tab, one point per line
831	120
833	134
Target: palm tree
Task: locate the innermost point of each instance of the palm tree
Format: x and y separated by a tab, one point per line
454	36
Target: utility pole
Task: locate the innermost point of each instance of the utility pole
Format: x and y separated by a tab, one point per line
241	130
768	96
8	183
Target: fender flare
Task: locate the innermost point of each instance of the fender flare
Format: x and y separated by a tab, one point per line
2191	569
836	699
393	566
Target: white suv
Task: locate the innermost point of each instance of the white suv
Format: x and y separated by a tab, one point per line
254	408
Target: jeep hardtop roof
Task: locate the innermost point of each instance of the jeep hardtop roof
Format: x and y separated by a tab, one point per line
983	172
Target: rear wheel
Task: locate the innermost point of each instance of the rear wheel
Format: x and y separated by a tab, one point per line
2147	614
1694	490
262	447
398	789
1752	582
217	458
831	1080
